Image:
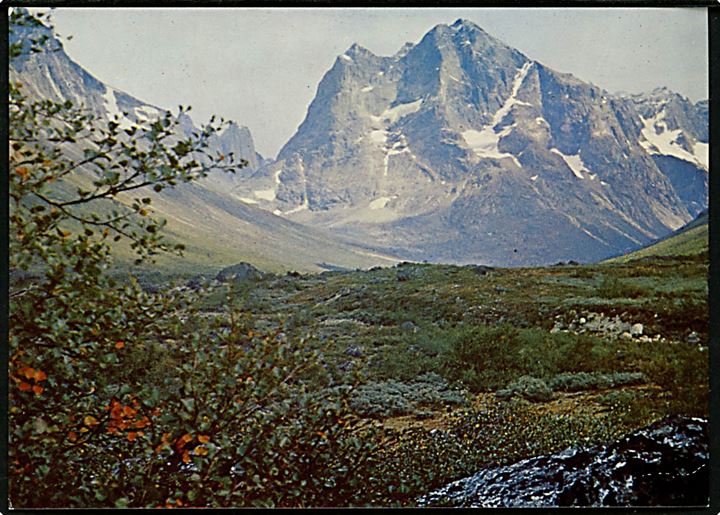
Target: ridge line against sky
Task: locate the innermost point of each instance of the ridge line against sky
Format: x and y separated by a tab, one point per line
261	66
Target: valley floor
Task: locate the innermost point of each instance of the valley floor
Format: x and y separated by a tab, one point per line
471	366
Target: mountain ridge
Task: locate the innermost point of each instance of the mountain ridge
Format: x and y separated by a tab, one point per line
456	149
206	215
480	121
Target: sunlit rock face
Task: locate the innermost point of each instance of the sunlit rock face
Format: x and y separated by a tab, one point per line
665	464
462	149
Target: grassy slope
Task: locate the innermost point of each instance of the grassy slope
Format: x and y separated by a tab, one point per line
687	241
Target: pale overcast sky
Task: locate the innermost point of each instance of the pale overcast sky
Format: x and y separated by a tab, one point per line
261	67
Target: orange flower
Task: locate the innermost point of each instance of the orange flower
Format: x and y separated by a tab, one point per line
131	436
72	436
37	389
186	457
200	450
24	386
203	438
39	376
120	344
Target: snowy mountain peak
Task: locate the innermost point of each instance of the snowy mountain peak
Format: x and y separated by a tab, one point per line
461	148
466	25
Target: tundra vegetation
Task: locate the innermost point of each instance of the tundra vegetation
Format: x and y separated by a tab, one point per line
342	388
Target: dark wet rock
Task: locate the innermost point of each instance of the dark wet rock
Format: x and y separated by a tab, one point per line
239	272
664	464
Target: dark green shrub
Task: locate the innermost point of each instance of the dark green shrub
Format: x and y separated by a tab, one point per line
392	398
578	381
527	387
612	287
682	371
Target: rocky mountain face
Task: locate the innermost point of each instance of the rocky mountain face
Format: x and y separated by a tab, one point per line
53	75
456	149
462	149
207	214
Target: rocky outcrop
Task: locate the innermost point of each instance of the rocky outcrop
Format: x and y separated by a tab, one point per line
239	272
665	464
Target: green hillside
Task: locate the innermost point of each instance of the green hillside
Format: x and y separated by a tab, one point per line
690	240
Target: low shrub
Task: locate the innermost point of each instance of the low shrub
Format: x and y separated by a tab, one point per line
527	387
612	287
392	398
486	358
681	370
579	381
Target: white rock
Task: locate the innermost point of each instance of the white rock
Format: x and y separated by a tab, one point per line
636	330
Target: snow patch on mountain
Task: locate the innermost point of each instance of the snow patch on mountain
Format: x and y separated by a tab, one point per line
379	136
112	108
575	163
268	195
146	113
485	142
381	133
302	207
52	83
380	202
658	139
392	114
702	153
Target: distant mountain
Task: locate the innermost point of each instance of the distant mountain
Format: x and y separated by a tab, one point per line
462	149
217	228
